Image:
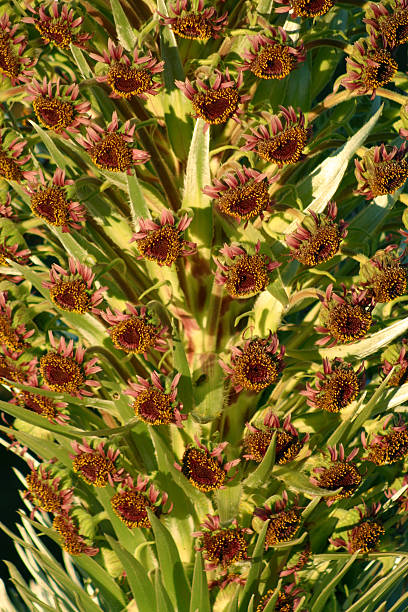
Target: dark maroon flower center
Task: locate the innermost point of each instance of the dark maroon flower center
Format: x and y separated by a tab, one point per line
245	282
214	108
257	372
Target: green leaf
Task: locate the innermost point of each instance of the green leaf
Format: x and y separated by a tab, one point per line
171	568
142	589
42	447
208	394
198	176
318	605
72	247
233	607
58	158
112	593
268	311
54	569
322	183
200	599
227	501
163	603
270	606
300	483
369	345
255	568
126	36
138	206
185	386
81	62
264	469
380	588
173	68
278	291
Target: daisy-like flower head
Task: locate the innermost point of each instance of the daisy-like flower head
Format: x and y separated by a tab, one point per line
72	541
345	319
318	238
243	275
71	290
49	201
135	331
385	276
112	149
129	77
388	20
272	54
217	102
288	443
205	468
11	162
162	240
44	492
304	8
14	338
13	64
40	404
201	24
388	448
365	536
132	501
342	472
400	365
153	403
282	141
222	547
59	28
65	373
368	67
56	106
6	210
336	387
243	194
94	465
283	522
288	599
382	170
255	365
12	252
13	369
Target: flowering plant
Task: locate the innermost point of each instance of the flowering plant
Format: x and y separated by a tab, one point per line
203	289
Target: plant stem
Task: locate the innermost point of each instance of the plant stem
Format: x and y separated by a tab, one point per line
169	185
337	98
214	310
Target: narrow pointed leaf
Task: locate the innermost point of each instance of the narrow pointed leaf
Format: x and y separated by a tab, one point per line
163	603
200	598
126	36
322	183
172	570
255	568
263	471
320	602
138	206
142	589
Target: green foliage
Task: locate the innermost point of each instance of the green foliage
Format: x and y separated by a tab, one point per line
182	461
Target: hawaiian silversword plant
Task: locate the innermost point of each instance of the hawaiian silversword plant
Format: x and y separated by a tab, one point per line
203	290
